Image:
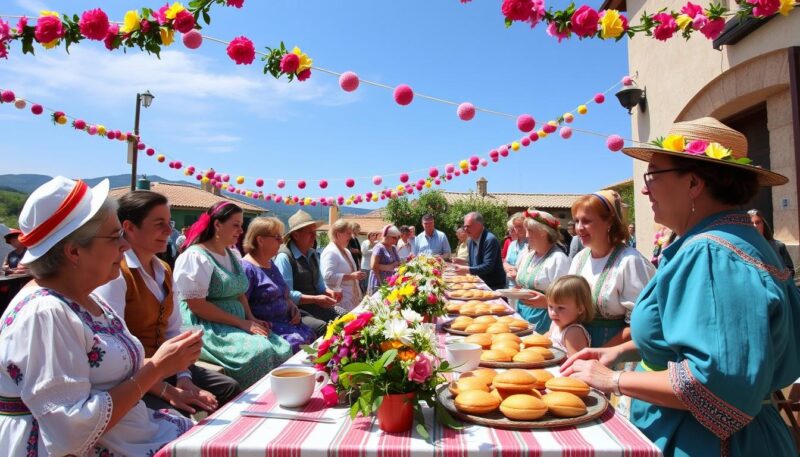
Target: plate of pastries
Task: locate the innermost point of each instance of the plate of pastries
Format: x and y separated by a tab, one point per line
466	325
462	278
509	350
521	399
474	308
472	294
464	286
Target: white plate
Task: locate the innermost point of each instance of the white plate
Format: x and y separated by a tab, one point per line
515	293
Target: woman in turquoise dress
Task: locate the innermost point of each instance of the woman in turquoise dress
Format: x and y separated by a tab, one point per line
211	282
539	266
716	330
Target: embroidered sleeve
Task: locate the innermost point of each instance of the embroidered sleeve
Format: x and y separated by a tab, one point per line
192	275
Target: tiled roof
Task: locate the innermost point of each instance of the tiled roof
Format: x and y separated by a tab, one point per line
513	200
369	222
186	196
617	185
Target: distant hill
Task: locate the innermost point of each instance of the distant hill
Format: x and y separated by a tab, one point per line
27	183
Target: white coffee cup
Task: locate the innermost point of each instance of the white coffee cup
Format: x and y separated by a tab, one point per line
294	385
463	356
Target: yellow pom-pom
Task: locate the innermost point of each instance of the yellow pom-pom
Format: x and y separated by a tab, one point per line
463	164
240	180
307	201
553	123
400	188
61	120
348	202
428	184
583	109
186	172
204	180
515	146
375	198
541	133
248	194
101	130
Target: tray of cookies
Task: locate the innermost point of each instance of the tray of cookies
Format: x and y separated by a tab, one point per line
472	294
513	399
466	325
474	308
465	286
509	350
462	278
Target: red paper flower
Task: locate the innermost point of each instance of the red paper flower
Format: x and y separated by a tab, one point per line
290	63
242	51
303	75
764	8
236	3
666	27
48	28
517	10
111	34
94	24
184	21
584	21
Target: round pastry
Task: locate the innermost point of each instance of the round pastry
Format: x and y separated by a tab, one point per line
463	319
510	350
476	402
506	337
514	379
542	376
495	356
483	309
518	324
467	310
571	385
453	308
483	339
484	374
497	328
523	407
470	383
497	307
460	325
507	344
564	404
476	328
527	357
544	352
537	340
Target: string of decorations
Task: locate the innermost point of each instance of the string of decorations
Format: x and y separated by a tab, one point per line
587	22
433	176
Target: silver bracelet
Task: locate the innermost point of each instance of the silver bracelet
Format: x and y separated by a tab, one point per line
615	382
163	389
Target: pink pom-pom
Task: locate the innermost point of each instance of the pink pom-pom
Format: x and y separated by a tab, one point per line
226	178
437	181
210	174
494	154
37	109
495	159
404	177
150	151
449	176
599	98
79	124
504	151
231	188
141	146
466	111
92	130
20	104
111	134
349	182
525	141
457	173
348	81
340	199
474	160
526	123
178	164
473	167
627	80
433	172
7	96
565	132
259	182
281	184
218	185
484	162
323	183
377	180
449	168
301	184
615	143
296	199
199	177
403	94
192	39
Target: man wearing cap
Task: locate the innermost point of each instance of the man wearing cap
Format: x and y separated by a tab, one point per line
299	263
484	253
431	241
11	264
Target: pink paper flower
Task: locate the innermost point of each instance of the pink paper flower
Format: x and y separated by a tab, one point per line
161	14
537	12
94	24
184	21
236	3
666	27
303	75
552	30
421	369
290	63
696	147
48	29
21	24
692	10
329	395
713	28
764	8
242	51
584	21
111	34
517	10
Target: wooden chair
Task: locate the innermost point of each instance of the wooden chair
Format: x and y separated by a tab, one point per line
789	407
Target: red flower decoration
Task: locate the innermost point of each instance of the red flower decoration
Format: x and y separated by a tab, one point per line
290	63
235	3
94	24
242	51
48	28
303	75
584	21
184	21
517	10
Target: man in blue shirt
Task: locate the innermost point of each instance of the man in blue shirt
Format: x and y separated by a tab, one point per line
484	253
431	241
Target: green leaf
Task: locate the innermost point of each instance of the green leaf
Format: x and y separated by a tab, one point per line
385	360
508	22
324	359
445	418
354	410
359	367
206	17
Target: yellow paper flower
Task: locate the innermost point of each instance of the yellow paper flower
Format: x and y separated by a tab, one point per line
341	320
173	10
48	13
675	143
101	130
401	270
407	290
515	146
582	109
683	21
131	22
611	25
167	36
717	151
305	61
786	7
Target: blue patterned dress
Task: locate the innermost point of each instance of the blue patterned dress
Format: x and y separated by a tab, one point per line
722	315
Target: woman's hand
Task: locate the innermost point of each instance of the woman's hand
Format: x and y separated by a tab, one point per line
357	275
294	313
255	327
592	372
177	353
185	396
604	356
535	299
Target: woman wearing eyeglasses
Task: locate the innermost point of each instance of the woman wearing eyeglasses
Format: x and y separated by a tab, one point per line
339	269
716	330
384	258
267	292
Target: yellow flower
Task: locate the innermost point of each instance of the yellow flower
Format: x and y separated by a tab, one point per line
683	21
407	290
401	270
675	143
786	7
611	25
101	130
305	61
131	22
173	10
717	151
167	36
49	13
335	324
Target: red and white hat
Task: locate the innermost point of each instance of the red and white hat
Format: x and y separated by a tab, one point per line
56	209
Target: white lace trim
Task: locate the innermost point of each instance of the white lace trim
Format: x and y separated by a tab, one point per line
106	410
192	294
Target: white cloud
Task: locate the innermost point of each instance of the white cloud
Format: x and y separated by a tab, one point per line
33	7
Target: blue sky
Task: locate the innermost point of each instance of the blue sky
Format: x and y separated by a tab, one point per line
210	112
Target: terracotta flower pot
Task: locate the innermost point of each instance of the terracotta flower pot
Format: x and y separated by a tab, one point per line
396	413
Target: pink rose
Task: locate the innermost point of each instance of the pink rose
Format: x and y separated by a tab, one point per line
236	3
94	24
764	8
329	395
697	147
421	369
48	28
666	27
584	21
184	21
552	30
242	51
432	299
692	10
303	75
290	63
713	28
111	34
517	10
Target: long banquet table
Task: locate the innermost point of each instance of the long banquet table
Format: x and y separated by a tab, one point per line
228	433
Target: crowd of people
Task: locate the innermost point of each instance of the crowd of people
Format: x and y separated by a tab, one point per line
696	359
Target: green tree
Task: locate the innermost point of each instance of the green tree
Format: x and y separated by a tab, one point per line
495	216
11	203
626	192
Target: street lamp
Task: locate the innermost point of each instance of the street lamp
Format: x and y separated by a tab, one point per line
133	151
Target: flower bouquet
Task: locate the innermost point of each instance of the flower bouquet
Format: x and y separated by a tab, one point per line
385	361
417	286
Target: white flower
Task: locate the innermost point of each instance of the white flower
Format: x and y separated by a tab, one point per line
397	329
411	316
